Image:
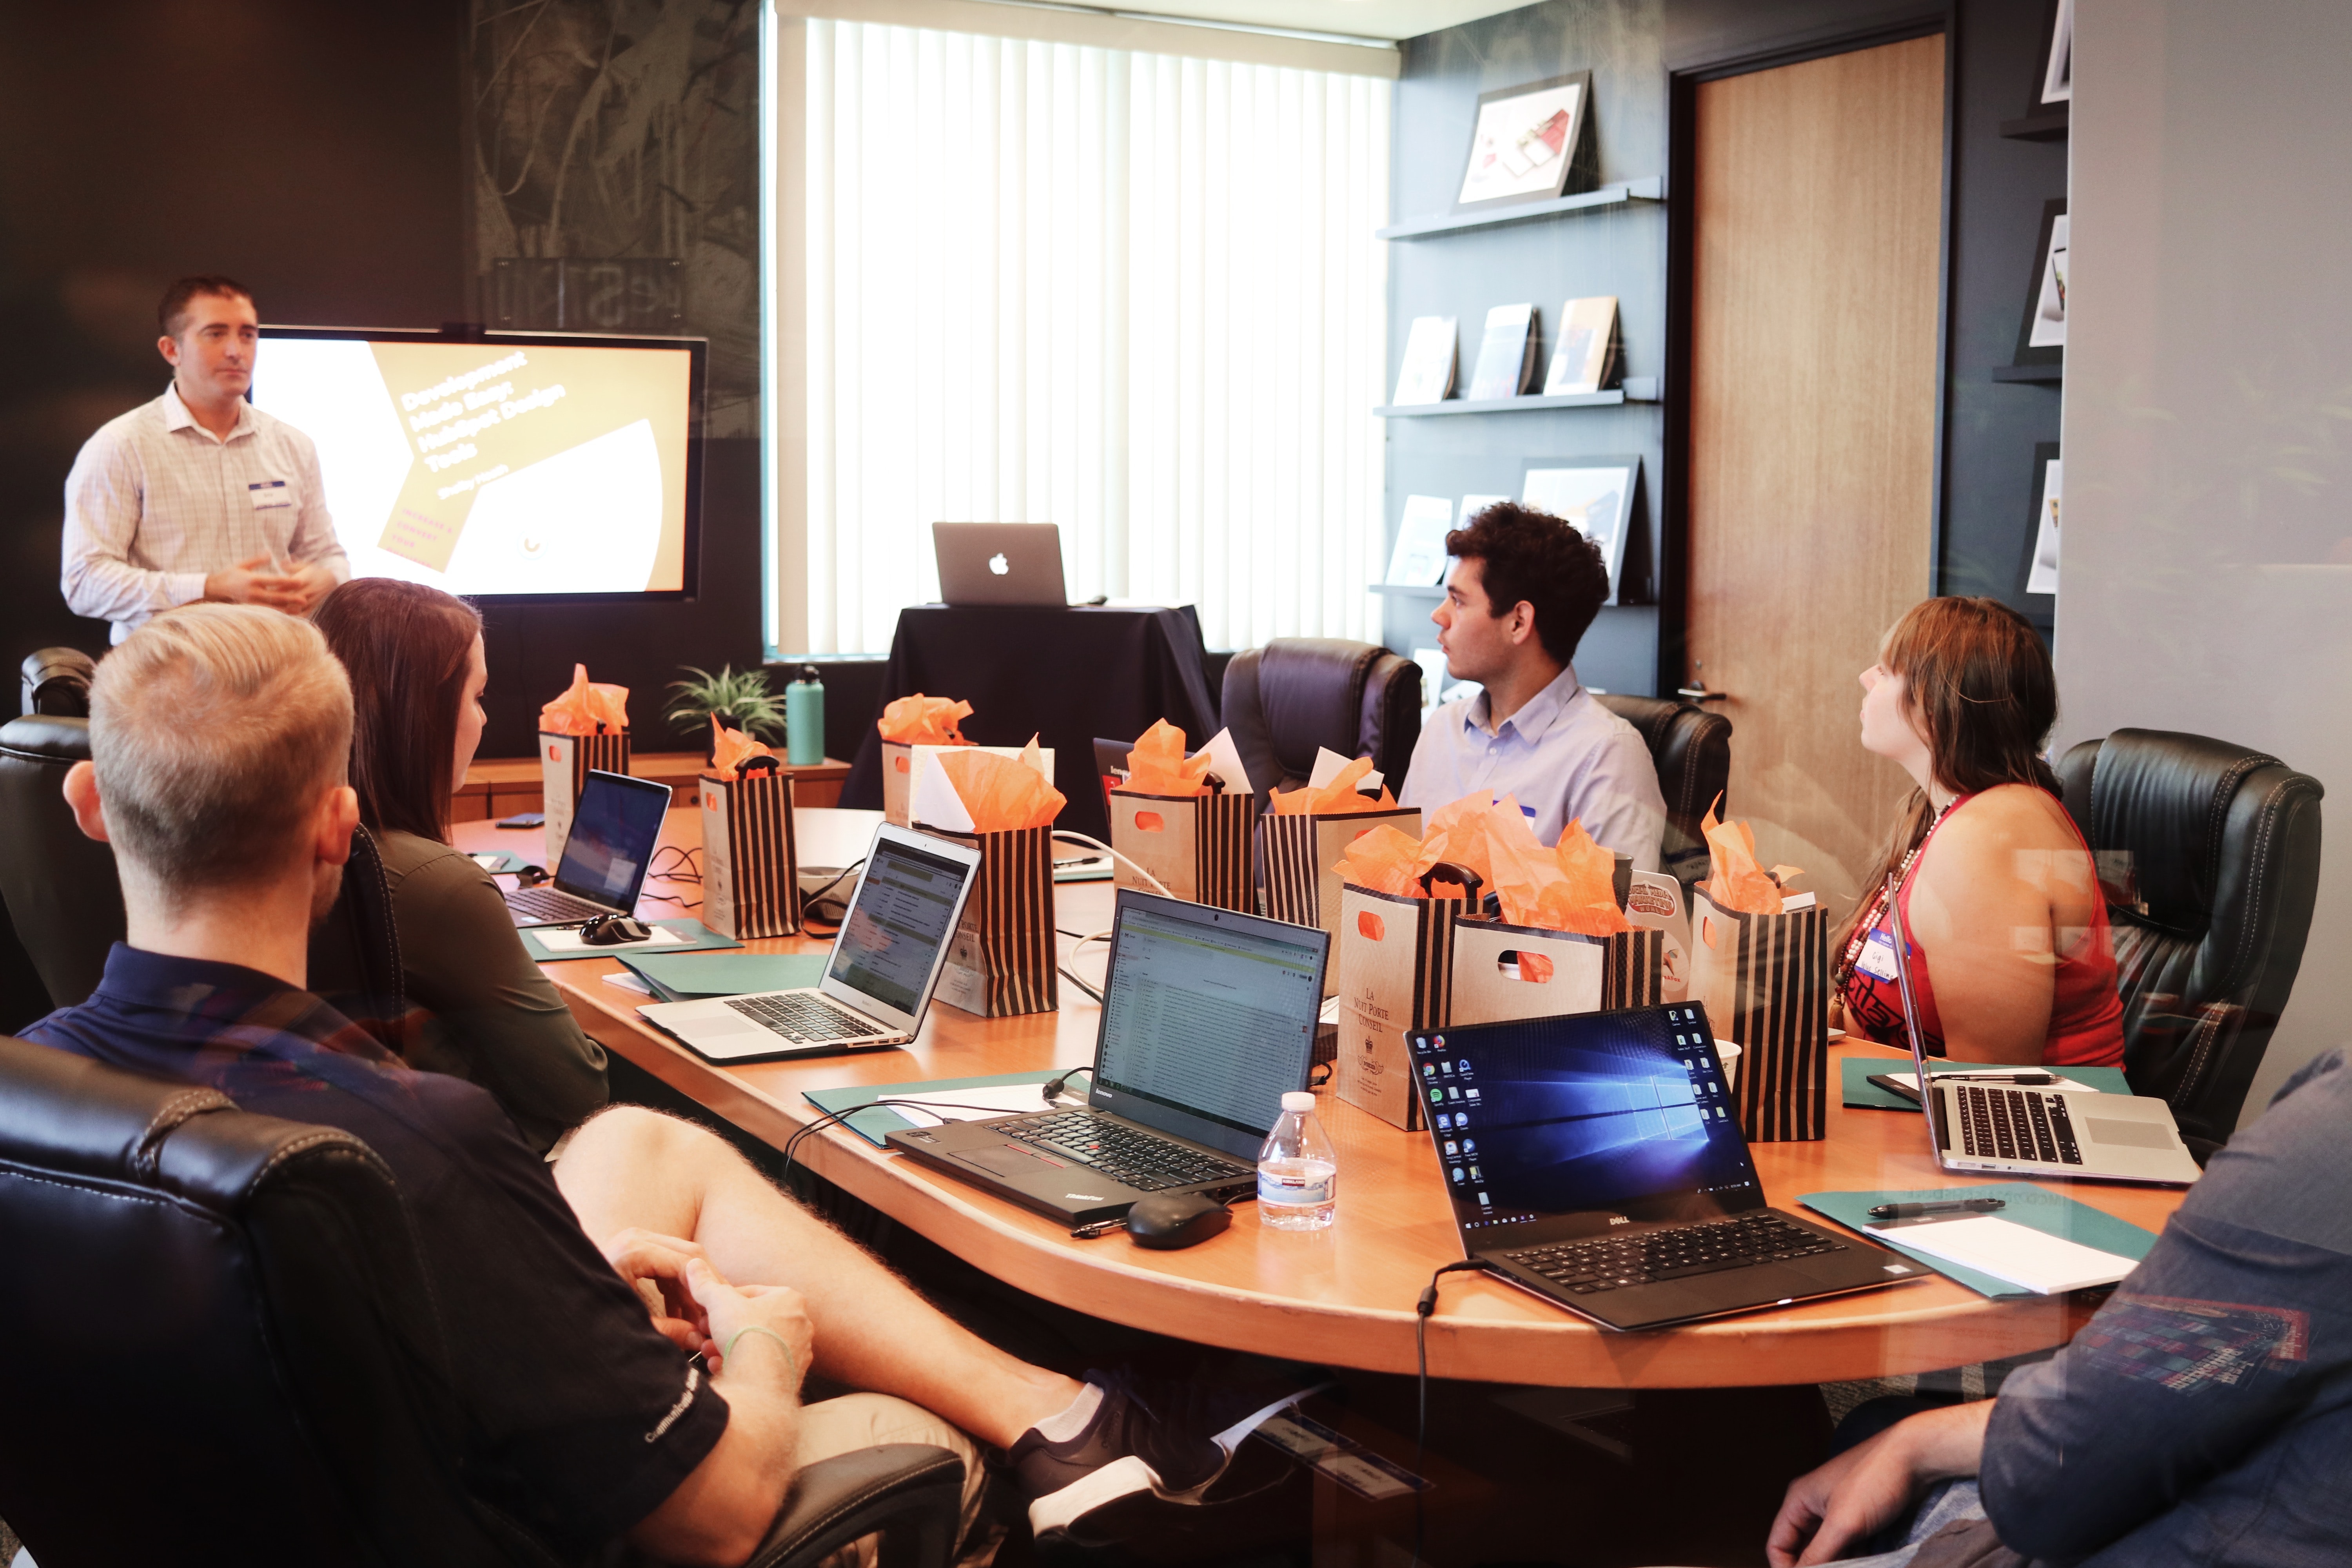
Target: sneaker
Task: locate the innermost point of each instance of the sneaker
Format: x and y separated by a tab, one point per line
1142	1453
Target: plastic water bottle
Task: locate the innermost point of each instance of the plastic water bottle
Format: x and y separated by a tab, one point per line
1297	1171
804	720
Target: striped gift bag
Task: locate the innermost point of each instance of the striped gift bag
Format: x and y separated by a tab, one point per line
750	878
564	763
1395	963
1002	962
1765	982
1298	858
1198	845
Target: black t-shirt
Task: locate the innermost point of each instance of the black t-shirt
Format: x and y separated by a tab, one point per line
582	1419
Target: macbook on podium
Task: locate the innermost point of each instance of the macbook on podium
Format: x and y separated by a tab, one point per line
999	562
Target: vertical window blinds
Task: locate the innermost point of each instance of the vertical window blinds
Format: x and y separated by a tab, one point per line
1135	295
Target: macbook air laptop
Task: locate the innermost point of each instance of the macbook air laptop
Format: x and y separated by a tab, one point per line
2036	1132
879	979
999	562
603	866
1595	1160
1208	1019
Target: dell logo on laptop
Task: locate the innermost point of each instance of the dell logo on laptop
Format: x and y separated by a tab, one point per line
1619	1219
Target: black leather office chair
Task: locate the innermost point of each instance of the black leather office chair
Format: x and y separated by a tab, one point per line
217	1347
2223	846
1284	700
56	682
66	901
1692	750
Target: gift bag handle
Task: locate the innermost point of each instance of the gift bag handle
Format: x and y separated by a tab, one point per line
755	764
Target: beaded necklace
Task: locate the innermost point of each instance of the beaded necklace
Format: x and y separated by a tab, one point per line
1869	923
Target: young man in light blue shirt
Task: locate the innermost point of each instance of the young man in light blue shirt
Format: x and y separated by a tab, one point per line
1523	587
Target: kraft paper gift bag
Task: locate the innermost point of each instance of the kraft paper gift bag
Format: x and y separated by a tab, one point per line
1198	845
1765	983
584	729
1395	975
1002	960
750	878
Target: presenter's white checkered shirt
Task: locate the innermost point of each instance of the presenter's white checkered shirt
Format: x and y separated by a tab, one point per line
156	501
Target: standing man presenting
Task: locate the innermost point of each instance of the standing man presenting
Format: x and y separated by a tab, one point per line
198	495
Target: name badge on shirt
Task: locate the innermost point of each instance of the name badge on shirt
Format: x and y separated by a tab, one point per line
268	495
1877	956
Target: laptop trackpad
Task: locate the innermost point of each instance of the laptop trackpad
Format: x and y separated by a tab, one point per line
2131	1134
1008	1162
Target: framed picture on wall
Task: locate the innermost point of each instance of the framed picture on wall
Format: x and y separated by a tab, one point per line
1597	496
1528	144
2058	55
2041	336
2040	573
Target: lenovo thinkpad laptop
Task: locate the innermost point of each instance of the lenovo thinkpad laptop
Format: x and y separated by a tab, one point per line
1595	1160
1208	1019
999	562
885	960
604	865
2036	1132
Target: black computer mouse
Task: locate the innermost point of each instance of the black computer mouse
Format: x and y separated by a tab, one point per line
1166	1221
612	931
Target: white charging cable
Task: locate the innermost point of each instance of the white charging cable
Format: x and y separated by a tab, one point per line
1158	885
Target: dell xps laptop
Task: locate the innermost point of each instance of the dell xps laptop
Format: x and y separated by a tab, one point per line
999	562
1208	1019
879	979
605	859
2036	1132
1595	1160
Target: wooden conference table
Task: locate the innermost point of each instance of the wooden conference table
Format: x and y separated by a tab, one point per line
1344	1295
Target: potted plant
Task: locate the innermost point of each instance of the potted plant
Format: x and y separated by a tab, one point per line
738	700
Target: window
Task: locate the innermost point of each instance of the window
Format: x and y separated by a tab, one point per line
1136	295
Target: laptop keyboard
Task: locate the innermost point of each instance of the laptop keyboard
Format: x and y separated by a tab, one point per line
1612	1263
547	904
1144	1160
2016	1125
805	1019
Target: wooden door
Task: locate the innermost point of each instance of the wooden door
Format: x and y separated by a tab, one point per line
1817	209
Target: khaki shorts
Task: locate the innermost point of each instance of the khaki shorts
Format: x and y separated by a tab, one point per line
855	1421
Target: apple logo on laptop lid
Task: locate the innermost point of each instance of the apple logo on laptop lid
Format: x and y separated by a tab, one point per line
998	564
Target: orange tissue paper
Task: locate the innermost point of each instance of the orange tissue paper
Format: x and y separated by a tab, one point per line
1735	881
730	749
1383	860
587	708
1583	896
1570	887
921	721
1337	798
1158	764
1002	793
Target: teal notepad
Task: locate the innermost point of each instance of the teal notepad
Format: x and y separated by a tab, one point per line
2027	1205
879	1121
690	976
1854	1073
698	937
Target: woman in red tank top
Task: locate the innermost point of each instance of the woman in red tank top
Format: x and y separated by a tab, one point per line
2010	959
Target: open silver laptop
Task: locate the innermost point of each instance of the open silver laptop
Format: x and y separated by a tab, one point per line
2036	1132
877	980
999	562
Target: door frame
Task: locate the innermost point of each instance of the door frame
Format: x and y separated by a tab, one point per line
1683	83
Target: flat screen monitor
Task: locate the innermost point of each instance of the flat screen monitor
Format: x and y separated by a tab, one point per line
513	464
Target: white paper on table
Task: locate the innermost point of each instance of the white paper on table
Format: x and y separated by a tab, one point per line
957	1104
626	980
1327	763
2064	1085
2030	1258
566	939
1225	761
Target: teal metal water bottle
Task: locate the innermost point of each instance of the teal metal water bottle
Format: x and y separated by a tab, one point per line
804	720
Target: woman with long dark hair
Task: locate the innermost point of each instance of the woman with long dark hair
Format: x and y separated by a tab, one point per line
2010	959
417	668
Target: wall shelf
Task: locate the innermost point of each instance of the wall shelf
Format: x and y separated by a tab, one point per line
1623	193
2049	127
2049	374
1637	389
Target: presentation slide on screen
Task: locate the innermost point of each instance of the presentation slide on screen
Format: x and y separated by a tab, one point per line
492	468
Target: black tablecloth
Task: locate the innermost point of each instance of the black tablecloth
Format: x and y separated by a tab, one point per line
1064	675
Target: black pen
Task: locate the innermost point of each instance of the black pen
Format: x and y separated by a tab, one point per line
2027	1077
1957	1206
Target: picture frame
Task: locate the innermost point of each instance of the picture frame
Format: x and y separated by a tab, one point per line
2042	335
1529	144
1602	498
2037	571
2056	86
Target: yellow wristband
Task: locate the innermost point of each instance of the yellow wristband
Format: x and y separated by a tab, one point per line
727	1356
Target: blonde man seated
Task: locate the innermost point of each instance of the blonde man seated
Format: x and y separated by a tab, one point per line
220	735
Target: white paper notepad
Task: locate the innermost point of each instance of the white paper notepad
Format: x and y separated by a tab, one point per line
2028	1259
566	939
1944	1075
